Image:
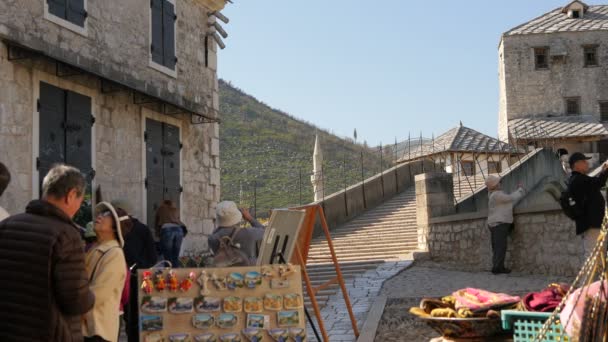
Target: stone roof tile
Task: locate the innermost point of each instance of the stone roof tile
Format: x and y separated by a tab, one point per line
595	18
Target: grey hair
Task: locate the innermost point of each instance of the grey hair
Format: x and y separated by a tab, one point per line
61	179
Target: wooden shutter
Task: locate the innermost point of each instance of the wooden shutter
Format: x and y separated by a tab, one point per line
78	133
157	31
58	8
76	13
154	168
169	35
52	134
171	148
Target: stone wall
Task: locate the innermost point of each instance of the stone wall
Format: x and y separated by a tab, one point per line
526	92
543	242
116	45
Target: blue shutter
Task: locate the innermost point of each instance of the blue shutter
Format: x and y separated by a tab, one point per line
76	13
58	8
169	35
157	31
171	149
52	133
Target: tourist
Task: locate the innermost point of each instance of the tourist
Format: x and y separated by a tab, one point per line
500	220
45	285
140	252
229	218
5	178
585	190
107	269
171	231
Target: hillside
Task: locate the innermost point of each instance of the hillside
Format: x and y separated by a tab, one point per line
266	155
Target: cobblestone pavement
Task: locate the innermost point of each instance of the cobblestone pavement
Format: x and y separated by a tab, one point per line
362	292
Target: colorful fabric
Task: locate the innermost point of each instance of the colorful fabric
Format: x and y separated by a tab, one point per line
546	300
574	310
480	300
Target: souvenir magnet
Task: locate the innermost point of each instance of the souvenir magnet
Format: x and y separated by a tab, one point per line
207	304
253	305
279	335
173	282
279	284
187	283
273	302
288	318
159	281
253	334
233	304
258	321
203	321
234	281
202	280
267	272
154	337
151	323
180	305
292	301
227	321
219	283
297	334
232	337
253	279
146	284
150	304
180	337
208	337
286	270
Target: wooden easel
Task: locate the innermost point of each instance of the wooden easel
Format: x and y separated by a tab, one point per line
301	256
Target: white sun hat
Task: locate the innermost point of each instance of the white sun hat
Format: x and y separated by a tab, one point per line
228	214
105	205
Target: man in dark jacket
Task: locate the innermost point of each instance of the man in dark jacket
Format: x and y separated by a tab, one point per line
586	191
45	288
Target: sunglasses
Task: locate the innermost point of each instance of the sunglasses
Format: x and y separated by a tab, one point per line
106	214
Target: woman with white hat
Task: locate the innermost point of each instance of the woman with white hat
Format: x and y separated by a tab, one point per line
500	220
106	267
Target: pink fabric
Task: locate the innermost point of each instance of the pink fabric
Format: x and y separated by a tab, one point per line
126	291
546	300
573	322
480	300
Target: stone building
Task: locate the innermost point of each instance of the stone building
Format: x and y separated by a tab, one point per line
553	77
125	90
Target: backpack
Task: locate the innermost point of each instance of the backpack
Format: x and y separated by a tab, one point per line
573	209
229	254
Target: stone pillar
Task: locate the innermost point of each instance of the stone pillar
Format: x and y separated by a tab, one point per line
434	198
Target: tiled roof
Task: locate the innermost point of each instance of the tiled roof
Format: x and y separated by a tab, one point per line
595	18
459	139
580	126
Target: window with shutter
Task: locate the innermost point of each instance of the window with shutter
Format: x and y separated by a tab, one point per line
162	21
72	11
573	105
604	110
162	166
468	167
494	167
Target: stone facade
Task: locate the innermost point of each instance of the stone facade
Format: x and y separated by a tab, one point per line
114	47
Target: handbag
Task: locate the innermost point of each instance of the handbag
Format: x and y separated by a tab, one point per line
229	254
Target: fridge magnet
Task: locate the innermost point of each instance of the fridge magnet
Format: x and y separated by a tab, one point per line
279	284
235	280
279	335
267	273
203	321
253	334
227	321
219	283
207	304
159	281
173	282
154	337
150	304
292	301
180	337
254	305
258	321
187	283
286	270
233	304
288	318
297	334
207	337
146	284
232	337
180	305
273	302
151	323
203	281
253	279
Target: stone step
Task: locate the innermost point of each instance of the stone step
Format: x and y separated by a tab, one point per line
381	257
392	232
361	252
372	227
378	221
347	240
357	244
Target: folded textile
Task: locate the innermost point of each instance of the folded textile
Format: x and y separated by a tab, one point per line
576	304
546	300
480	300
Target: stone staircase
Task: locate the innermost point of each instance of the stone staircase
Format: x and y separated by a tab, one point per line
387	232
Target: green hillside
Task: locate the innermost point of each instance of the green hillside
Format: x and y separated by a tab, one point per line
266	155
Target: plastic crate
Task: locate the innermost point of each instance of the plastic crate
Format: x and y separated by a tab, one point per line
527	325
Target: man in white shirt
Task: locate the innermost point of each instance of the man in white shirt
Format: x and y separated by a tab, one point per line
5	178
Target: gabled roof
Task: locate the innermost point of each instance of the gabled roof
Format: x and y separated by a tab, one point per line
567	7
595	18
579	126
459	139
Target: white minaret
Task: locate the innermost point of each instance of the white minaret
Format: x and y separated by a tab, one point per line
317	171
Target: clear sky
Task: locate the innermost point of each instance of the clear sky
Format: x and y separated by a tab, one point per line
384	67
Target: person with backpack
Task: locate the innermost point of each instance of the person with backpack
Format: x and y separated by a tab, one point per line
229	218
586	203
500	220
